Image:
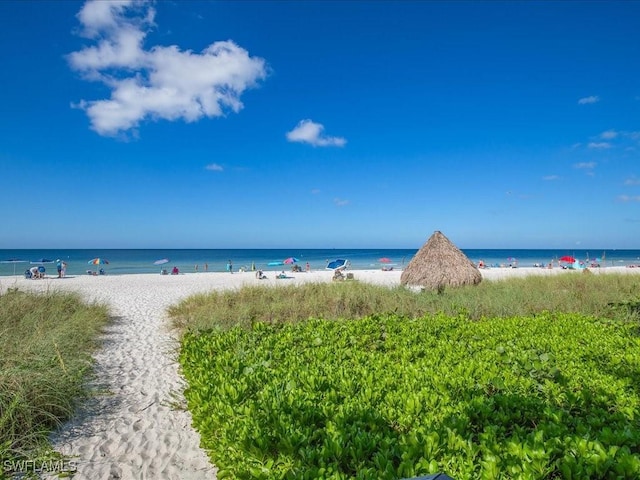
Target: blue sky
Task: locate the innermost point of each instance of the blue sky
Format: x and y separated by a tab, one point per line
319	124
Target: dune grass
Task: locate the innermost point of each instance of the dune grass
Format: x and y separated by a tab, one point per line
608	296
46	341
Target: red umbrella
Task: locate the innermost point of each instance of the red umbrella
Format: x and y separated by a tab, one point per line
384	260
567	259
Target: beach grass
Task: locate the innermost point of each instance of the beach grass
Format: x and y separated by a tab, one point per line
46	341
609	296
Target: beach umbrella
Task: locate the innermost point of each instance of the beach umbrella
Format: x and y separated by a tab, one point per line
98	261
567	259
439	264
40	261
162	261
290	260
337	264
14	261
384	260
274	264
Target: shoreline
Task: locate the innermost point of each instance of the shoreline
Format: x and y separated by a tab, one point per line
131	428
133	261
216	279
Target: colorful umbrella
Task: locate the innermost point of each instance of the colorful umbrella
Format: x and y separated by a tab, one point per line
98	261
162	261
384	260
567	259
290	260
274	264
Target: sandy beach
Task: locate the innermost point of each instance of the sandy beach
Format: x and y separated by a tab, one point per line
132	429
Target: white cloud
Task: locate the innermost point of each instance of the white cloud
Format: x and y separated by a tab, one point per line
96	16
310	132
628	198
214	167
588	100
340	202
599	145
160	82
609	135
632	181
551	177
585	165
315	191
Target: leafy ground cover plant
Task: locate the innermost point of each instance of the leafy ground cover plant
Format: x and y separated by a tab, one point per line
45	340
551	395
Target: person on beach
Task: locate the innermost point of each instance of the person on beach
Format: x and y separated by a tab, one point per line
206	267
64	269
308	267
175	271
59	268
229	266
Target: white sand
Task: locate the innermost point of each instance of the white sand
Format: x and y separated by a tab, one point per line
133	431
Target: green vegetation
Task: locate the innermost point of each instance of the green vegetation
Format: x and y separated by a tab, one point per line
579	293
529	378
45	342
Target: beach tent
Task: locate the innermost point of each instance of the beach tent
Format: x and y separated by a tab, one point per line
439	264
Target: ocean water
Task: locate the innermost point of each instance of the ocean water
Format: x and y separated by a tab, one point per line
122	261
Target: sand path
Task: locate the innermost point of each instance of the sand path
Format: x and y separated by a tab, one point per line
132	430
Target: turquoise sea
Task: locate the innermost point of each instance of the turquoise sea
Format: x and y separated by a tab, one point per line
122	261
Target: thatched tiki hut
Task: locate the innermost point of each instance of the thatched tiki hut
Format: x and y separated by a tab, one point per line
439	264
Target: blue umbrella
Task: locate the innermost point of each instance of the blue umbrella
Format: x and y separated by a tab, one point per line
40	261
14	261
162	261
274	264
337	264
